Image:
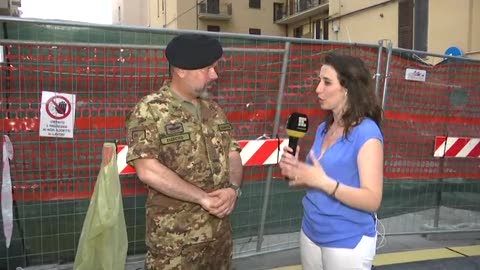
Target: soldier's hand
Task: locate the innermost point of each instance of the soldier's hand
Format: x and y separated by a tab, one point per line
227	198
210	204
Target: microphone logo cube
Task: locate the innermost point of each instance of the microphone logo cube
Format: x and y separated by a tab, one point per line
302	122
297	125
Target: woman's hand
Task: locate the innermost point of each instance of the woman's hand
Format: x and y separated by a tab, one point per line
288	162
300	174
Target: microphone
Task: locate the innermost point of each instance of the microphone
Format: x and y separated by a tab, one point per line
297	127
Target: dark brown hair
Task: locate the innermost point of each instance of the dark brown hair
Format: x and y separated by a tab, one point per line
361	102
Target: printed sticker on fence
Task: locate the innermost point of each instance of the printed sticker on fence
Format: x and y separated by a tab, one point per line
57	115
415	75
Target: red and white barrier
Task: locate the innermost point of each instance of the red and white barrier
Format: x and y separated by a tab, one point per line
123	167
254	153
459	147
262	152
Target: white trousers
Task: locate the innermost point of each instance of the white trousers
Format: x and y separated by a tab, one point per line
315	257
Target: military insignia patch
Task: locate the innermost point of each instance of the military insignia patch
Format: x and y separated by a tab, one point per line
138	135
225	127
175	138
174	128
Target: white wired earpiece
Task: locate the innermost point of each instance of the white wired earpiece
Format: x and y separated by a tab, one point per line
380	232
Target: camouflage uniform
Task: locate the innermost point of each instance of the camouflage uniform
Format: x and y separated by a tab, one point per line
194	145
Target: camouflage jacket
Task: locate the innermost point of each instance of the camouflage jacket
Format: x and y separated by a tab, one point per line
195	149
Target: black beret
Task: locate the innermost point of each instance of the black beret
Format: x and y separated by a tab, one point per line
193	51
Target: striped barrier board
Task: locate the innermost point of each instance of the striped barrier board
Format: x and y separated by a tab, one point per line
254	153
123	167
458	147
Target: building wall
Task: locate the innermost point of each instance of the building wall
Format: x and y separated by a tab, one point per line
475	28
10	8
157	14
305	24
338	7
350	23
186	16
308	26
169	11
244	18
130	12
115	14
450	24
183	15
365	21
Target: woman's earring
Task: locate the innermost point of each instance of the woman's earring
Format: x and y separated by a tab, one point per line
346	92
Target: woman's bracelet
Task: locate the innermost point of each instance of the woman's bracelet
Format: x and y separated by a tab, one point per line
335	190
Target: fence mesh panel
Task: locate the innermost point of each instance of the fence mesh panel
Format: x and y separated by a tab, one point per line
109	69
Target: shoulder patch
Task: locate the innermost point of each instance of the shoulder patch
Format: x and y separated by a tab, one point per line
224	127
138	135
174	128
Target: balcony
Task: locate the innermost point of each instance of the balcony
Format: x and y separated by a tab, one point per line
298	10
214	11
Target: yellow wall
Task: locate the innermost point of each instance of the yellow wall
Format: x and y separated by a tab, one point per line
244	18
474	50
156	13
225	26
448	25
183	15
346	6
451	22
127	12
307	24
367	26
169	14
186	14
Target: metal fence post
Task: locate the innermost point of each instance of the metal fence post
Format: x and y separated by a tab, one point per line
387	74
268	182
379	66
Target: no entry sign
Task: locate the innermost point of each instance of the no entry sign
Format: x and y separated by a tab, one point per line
57	115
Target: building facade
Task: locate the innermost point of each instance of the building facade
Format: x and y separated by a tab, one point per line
10	7
425	25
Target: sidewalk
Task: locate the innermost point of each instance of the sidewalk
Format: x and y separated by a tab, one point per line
413	252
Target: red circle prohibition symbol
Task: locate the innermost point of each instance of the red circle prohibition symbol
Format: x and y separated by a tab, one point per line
58	107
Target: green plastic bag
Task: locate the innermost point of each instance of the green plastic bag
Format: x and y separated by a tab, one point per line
103	243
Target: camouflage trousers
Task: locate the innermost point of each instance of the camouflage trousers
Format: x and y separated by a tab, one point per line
211	255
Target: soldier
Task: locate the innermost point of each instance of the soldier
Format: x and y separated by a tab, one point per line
181	146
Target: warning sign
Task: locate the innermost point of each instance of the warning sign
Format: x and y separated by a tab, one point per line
57	115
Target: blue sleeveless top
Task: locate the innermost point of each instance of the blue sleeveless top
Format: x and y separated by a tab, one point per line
327	221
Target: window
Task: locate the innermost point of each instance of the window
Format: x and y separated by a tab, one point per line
298	32
254	31
325	30
304	5
320	29
213	6
254	4
420	32
213	28
405	24
413	24
277	11
317	34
